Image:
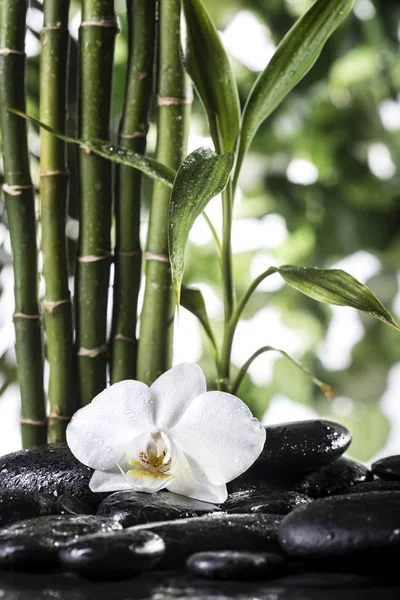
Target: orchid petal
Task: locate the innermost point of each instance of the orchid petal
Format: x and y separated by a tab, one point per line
108	481
142	481
174	391
219	433
99	433
189	480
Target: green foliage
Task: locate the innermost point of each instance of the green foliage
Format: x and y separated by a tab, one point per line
112	152
208	65
334	286
293	58
201	176
192	299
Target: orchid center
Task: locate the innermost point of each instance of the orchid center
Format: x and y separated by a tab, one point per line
151	460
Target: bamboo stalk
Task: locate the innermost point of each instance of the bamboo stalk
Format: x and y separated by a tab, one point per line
96	44
20	205
53	196
132	135
174	99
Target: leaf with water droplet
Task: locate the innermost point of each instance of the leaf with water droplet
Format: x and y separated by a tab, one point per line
201	176
208	65
114	153
293	58
337	287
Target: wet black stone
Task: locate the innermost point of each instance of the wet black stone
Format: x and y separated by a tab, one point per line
252	482
387	468
274	502
377	485
115	555
332	479
68	505
363	529
17	506
34	543
300	446
184	537
132	508
50	470
230	564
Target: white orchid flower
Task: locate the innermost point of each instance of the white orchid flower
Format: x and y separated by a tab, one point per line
173	435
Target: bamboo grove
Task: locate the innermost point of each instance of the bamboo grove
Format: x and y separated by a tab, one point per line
85	352
89	337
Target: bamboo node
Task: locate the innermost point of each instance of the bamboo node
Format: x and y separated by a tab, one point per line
141	133
100	23
59	417
91	258
133	136
55	27
92	352
20	315
51	305
157	257
15	190
7	51
129	253
32	422
124	338
52	173
86	149
173	101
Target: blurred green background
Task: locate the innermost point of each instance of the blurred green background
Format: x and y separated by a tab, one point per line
319	188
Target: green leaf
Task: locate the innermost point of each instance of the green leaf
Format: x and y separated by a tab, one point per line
202	175
335	286
324	387
112	152
293	58
208	65
192	299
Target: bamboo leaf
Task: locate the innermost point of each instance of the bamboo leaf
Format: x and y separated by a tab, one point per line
208	65
324	387
113	152
335	286
192	299
293	58
202	175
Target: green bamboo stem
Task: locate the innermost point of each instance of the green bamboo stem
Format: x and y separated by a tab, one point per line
132	135
224	379
157	319
53	196
20	205
96	45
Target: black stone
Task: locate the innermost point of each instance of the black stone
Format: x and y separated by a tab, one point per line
34	543
252	482
115	555
68	505
274	502
387	468
300	446
184	537
230	564
332	479
377	485
51	470
359	528
17	506
132	508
